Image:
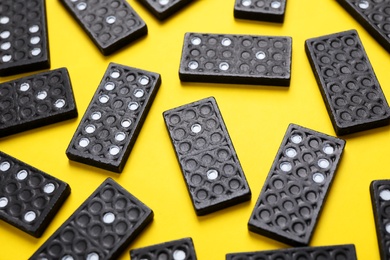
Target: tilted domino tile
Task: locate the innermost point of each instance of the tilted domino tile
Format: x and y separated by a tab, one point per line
380	199
114	118
344	252
297	185
101	228
240	59
260	10
24	44
111	24
208	161
35	101
162	9
373	16
29	198
177	249
349	87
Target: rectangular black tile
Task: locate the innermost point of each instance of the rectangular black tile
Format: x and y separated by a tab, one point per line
260	10
162	9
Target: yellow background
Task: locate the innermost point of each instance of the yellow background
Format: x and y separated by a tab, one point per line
256	117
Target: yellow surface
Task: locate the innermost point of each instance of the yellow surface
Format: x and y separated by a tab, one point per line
256	117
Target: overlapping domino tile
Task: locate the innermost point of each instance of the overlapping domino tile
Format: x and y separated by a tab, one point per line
348	84
261	10
297	185
163	9
111	24
208	161
101	228
24	42
233	58
114	118
29	198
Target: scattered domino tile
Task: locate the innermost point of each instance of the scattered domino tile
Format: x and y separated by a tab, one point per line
260	10
101	228
344	252
297	185
114	118
35	101
240	59
208	161
182	249
111	24
24	42
29	198
162	9
349	87
373	16
380	198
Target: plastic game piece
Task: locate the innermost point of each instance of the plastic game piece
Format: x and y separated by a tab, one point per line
345	252
162	9
29	198
35	101
297	185
24	44
240	59
177	249
208	161
111	24
260	10
349	87
380	199
101	228
108	130
373	16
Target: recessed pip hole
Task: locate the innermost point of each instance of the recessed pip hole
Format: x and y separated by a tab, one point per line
193	65
224	66
296	139
385	195
33	28
96	115
108	218
60	103
291	152
196	128
179	255
260	55
144	80
114	150
285	166
226	42
24	87
21	175
35	40
41	95
36	51
3	202
387	228
246	2
364	4
81	6
323	163
120	136
115	74
126	123
163	2
93	256
212	174
49	188
90	129
4	166
133	106
110	19
275	4
196	40
109	86
5	46
318	177
328	149
104	99
139	93
84	142
30	216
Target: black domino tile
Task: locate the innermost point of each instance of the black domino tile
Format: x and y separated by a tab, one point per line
114	118
297	185
162	9
239	59
336	252
208	161
178	249
380	199
348	84
111	24
36	100
101	228
373	16
261	10
24	44
29	198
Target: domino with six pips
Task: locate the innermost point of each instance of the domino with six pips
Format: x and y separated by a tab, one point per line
261	10
114	118
29	198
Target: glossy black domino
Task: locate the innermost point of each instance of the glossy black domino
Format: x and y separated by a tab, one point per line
207	158
373	16
110	126
163	9
101	228
348	84
111	24
24	44
345	252
35	101
380	199
239	59
261	10
297	185
177	249
29	198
